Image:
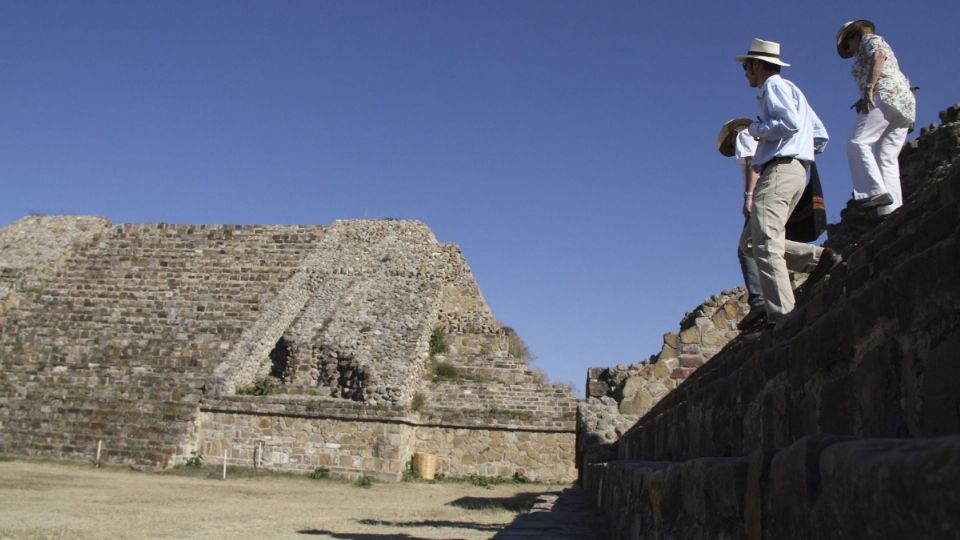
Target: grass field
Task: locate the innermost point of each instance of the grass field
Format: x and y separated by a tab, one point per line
73	501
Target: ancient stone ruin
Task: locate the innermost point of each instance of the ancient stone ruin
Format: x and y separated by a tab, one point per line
843	423
288	347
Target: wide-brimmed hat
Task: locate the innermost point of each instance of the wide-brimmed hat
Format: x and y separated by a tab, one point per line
725	144
848	27
767	51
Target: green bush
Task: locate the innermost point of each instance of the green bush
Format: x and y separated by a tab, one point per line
364	482
445	371
320	473
410	475
196	460
418	402
438	342
263	387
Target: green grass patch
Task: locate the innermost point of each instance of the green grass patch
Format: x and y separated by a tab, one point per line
263	387
364	482
418	402
438	342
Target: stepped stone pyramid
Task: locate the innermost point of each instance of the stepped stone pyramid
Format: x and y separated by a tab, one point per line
147	339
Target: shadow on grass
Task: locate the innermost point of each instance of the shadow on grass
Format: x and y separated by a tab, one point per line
521	502
359	536
435	523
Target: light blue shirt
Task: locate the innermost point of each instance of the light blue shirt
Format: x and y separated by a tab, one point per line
787	124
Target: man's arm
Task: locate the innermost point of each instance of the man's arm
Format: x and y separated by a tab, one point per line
820	135
783	119
750	177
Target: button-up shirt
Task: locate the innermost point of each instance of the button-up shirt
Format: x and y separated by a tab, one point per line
787	124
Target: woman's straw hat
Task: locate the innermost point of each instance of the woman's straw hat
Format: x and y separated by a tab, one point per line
725	143
849	27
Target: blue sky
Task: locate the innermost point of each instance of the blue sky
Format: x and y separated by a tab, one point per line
567	146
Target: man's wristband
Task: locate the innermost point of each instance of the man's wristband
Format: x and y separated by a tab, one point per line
747	194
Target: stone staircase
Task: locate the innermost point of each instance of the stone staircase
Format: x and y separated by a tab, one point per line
843	423
116	341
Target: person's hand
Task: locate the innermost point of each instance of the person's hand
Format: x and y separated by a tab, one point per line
747	207
867	101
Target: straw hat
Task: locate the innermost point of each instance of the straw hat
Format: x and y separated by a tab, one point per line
724	144
849	27
768	51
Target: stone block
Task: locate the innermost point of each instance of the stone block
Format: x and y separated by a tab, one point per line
691	360
690	336
891	488
667	352
632	385
638	404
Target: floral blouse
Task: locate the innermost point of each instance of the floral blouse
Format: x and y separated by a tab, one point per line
893	87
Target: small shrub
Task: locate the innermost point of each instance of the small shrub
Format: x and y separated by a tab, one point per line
364	482
438	342
195	460
365	328
445	371
263	387
320	473
481	481
410	475
418	402
313	405
516	346
520	478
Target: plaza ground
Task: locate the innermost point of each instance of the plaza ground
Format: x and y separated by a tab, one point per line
52	500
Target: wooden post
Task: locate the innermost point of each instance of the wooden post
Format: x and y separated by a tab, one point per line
99	446
224	464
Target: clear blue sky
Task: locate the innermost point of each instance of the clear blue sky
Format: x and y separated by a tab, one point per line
566	146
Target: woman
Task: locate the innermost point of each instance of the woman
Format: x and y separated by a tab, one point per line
886	112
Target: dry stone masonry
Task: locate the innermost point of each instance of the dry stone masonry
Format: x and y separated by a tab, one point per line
151	339
617	397
844	422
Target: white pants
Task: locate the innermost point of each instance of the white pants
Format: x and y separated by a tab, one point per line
873	152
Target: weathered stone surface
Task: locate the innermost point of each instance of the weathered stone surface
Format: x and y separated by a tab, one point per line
127	332
868	355
818	487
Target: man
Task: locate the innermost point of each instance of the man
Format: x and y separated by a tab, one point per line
785	130
735	141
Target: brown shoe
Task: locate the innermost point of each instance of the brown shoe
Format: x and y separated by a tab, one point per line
829	260
757	314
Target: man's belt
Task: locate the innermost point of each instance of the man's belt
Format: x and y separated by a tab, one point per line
777	161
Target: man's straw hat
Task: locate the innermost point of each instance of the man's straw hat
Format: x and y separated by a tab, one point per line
767	51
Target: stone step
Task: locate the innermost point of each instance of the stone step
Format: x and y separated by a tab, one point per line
819	487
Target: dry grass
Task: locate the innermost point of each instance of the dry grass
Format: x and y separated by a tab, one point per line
60	501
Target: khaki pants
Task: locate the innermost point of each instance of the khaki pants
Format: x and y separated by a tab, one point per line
777	193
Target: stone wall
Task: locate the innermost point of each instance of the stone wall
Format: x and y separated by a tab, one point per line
618	396
841	423
352	440
818	487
